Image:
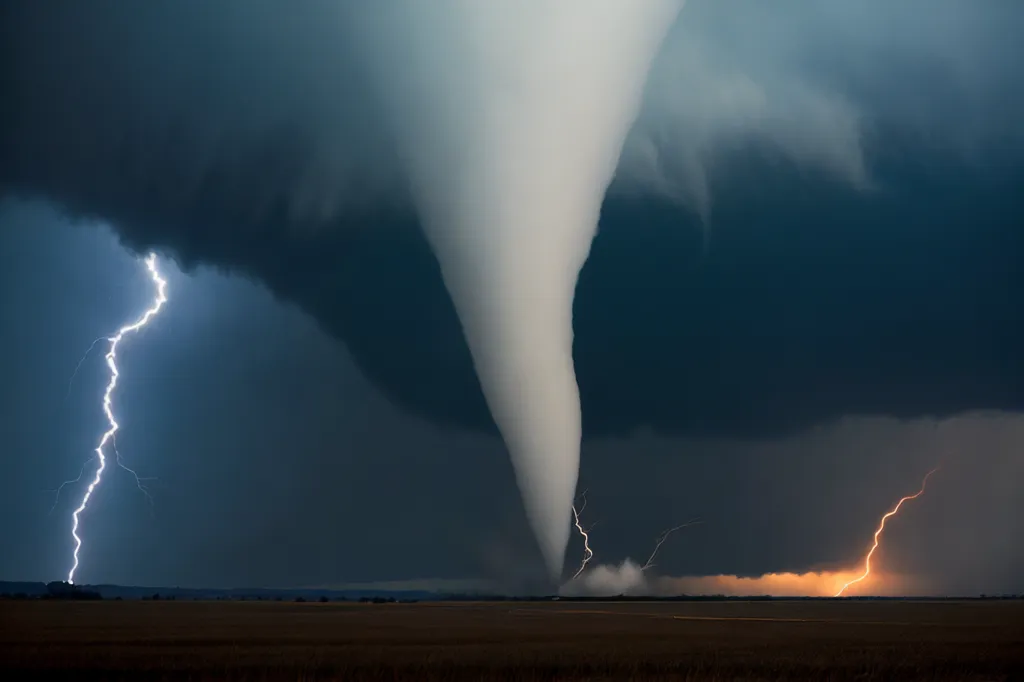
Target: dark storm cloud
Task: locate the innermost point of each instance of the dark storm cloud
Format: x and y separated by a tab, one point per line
358	470
855	168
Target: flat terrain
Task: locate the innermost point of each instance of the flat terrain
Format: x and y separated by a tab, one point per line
776	640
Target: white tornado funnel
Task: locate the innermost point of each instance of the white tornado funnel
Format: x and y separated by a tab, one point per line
510	117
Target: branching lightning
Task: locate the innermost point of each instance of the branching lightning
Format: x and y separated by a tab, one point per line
108	435
138	479
588	553
85	356
878	534
661	541
70	481
120	463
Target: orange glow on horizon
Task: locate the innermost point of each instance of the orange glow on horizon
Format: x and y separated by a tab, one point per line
878	533
811	584
820	584
828	583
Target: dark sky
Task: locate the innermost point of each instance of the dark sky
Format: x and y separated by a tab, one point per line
278	464
780	334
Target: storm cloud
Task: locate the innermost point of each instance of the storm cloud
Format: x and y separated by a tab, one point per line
815	215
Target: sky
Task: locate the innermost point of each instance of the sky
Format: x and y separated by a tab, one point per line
805	293
277	463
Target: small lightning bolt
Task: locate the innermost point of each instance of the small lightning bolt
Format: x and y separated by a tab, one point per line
588	553
138	479
661	541
111	357
85	356
878	533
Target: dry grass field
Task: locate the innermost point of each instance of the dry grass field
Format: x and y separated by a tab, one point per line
167	640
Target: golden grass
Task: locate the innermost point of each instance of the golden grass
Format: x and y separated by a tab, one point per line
741	641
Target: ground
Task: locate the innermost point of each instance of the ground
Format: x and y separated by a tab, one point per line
693	641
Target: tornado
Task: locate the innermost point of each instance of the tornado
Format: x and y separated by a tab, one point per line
508	118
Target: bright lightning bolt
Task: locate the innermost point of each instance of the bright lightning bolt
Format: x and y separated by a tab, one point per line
111	356
588	553
878	534
120	463
661	541
68	482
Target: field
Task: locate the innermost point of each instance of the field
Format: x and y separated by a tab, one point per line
774	640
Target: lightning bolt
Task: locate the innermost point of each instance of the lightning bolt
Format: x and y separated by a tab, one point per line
85	356
878	533
588	553
68	482
138	479
120	463
108	435
661	541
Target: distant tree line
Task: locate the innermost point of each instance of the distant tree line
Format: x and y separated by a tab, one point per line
63	591
324	599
